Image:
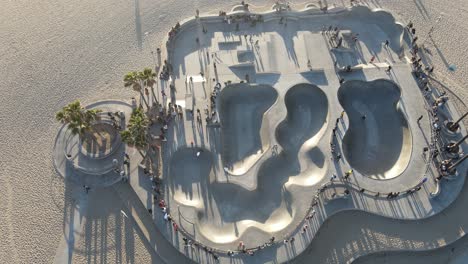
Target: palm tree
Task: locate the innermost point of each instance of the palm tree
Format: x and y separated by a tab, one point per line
147	75
137	130
78	119
134	79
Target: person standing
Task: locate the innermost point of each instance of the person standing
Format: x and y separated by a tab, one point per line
387	43
241	246
410	24
338	157
348	173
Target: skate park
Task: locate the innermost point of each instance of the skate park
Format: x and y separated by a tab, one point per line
288	128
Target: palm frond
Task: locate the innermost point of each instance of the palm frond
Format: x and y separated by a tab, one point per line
78	119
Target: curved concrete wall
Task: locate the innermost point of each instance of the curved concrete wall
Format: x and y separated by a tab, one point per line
244	124
307	107
186	170
454	253
282	177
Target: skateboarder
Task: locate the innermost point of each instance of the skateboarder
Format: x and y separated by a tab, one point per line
386	43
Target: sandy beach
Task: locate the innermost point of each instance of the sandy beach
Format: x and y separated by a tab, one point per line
54	52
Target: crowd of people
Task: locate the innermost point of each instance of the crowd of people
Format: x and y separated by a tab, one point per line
211	114
174	30
165	116
435	101
166	71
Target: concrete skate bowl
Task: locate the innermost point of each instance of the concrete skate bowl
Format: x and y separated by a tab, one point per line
189	175
244	124
225	212
395	31
307	107
272	208
378	146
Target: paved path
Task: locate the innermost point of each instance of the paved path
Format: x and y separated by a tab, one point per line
337	242
454	253
165	251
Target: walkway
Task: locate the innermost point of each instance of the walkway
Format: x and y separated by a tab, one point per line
166	252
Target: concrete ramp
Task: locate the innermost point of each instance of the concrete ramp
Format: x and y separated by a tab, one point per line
307	107
227	41
313	45
244	124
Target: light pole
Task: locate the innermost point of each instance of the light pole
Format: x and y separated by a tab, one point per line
452	167
453	146
453	126
432	28
151	50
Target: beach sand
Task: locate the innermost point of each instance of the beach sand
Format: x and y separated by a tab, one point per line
53	52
